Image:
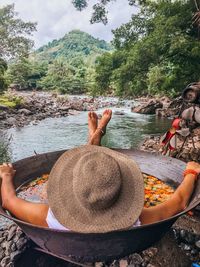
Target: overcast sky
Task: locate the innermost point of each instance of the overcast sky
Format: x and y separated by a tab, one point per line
57	17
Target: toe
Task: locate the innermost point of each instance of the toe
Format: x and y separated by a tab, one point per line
95	115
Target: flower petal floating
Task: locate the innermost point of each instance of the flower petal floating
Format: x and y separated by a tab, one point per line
156	191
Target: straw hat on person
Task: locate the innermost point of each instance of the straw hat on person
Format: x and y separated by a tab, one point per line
93	189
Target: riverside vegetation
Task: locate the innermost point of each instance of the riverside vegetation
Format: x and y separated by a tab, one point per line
156	52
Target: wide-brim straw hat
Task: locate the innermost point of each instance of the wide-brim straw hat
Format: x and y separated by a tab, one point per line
93	189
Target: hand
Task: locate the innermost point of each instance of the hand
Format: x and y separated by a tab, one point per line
6	170
193	166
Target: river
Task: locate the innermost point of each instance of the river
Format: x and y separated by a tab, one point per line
124	131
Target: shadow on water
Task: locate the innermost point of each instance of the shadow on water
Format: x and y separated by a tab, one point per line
126	131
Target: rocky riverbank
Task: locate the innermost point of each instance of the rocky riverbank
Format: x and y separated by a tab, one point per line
162	107
190	151
35	107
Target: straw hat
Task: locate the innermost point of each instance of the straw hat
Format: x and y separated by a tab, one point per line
93	189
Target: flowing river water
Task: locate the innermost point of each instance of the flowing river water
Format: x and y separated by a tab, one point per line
124	131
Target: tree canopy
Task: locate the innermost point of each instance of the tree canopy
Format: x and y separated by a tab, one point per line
158	51
14	42
99	8
3	68
13	32
100	12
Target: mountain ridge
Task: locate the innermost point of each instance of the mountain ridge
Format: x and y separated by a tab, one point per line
74	44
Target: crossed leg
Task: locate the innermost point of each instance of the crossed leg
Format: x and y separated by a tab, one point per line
97	130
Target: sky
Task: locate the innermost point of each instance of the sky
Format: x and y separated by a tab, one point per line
57	17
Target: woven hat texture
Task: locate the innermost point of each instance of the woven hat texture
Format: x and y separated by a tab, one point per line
93	189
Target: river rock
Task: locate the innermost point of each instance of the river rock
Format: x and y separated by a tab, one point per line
3	107
149	108
5	261
12	231
25	111
12	244
166	112
3	115
65	108
2	254
21	243
136	259
11	121
121	113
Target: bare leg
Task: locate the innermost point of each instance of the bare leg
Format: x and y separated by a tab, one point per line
100	131
92	124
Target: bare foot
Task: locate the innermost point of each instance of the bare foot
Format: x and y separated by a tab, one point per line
101	129
107	114
92	123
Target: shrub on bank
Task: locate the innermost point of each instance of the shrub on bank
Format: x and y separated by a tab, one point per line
11	101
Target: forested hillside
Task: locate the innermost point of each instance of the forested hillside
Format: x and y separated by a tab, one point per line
66	65
74	45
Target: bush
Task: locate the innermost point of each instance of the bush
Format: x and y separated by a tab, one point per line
11	101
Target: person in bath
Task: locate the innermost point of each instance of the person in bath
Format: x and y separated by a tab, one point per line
93	189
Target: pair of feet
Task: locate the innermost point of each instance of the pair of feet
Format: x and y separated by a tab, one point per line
98	129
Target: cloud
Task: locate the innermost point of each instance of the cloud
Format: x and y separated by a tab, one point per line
56	18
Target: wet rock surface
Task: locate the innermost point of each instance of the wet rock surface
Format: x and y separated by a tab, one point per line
38	106
148	108
163	107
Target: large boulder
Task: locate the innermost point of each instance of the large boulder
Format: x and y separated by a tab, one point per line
148	108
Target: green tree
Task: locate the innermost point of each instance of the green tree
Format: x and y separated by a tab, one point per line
13	34
59	77
158	51
19	72
26	73
99	8
3	68
100	12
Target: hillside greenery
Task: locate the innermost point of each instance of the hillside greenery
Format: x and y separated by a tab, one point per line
75	45
157	52
66	65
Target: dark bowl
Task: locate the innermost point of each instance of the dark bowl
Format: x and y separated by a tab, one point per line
107	246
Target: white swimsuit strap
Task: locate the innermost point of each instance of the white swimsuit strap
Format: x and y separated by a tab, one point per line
53	223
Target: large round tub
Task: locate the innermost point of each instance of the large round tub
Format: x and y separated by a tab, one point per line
107	246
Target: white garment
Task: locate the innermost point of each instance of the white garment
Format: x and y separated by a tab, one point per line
53	223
